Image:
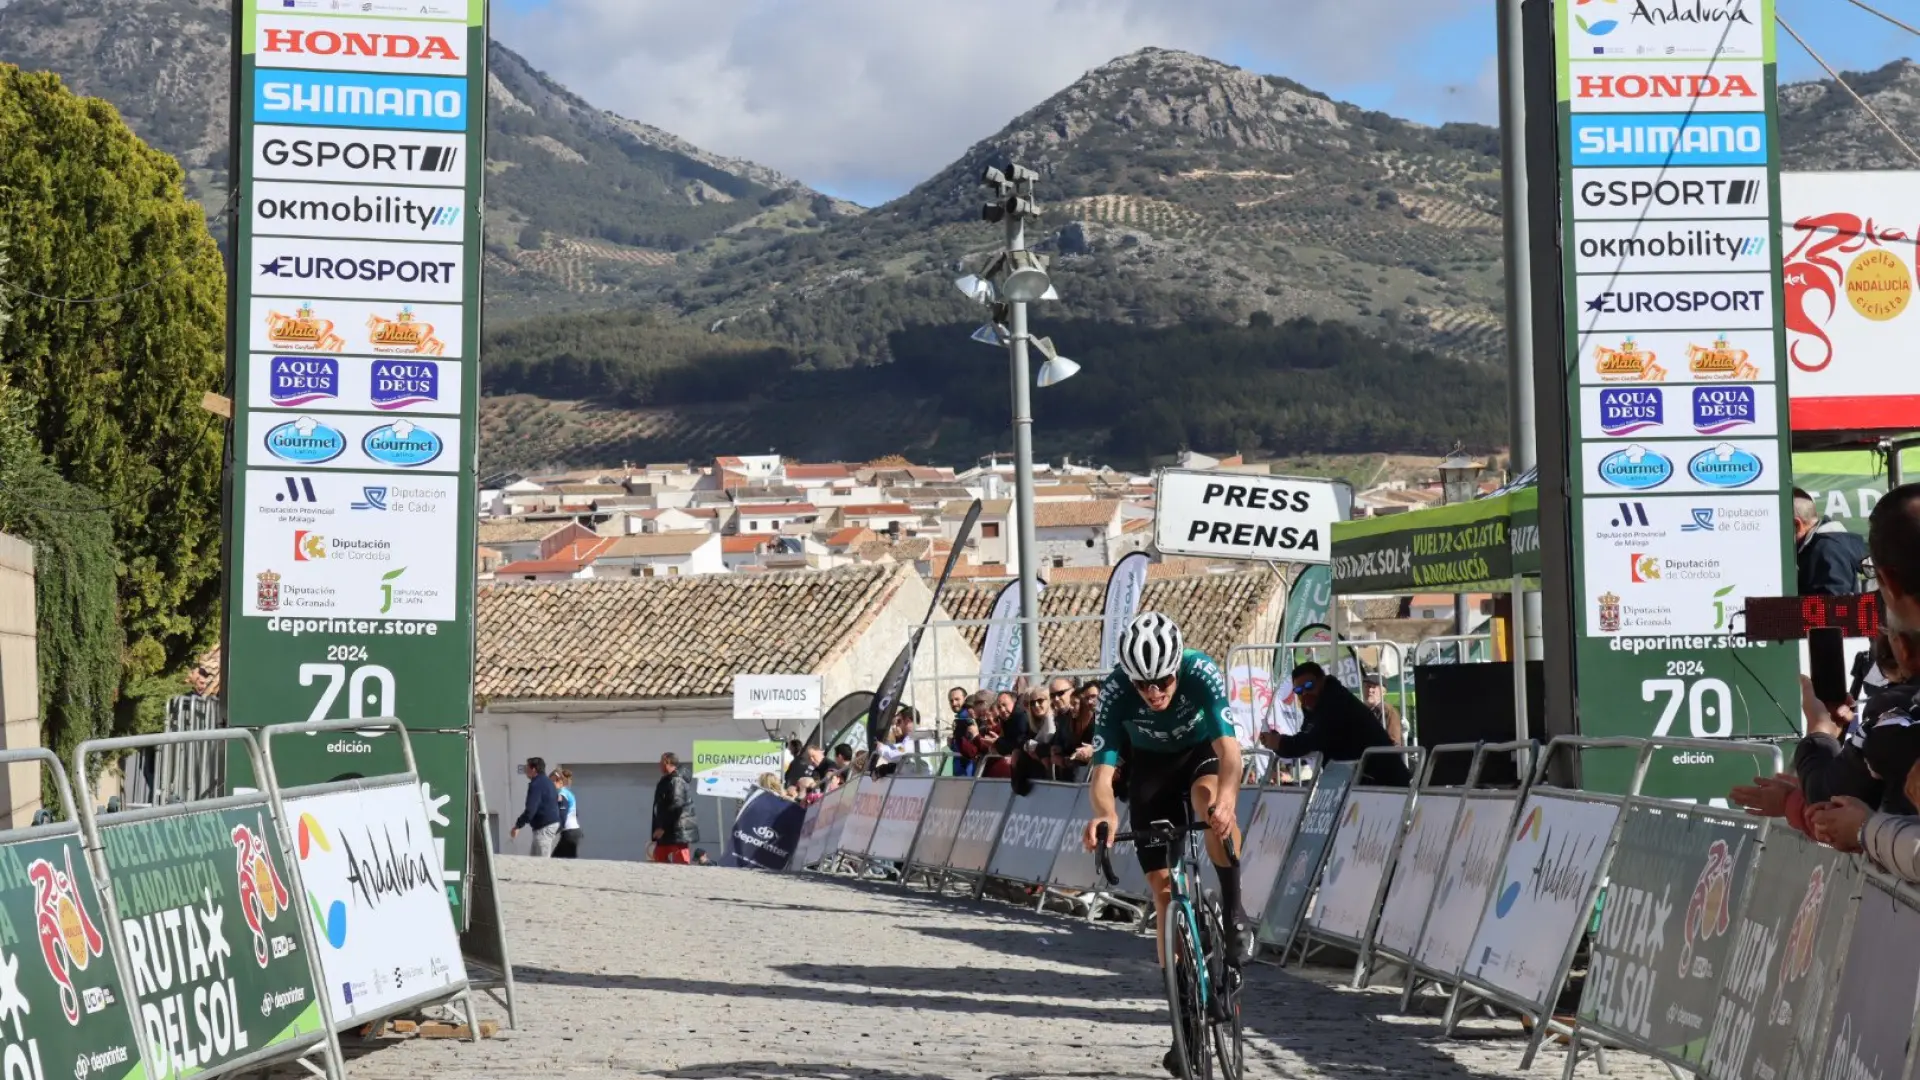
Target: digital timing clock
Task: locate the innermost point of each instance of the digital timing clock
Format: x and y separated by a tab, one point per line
1788	618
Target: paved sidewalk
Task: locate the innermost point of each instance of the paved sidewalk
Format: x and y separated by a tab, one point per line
705	973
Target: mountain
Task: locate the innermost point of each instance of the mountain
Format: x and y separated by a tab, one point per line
585	209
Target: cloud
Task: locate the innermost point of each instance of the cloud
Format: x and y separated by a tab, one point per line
872	96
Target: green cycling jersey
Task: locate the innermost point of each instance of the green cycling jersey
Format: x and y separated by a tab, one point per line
1199	712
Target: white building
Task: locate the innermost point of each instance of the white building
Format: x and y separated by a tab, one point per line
665	554
756	520
1076	533
603	677
993	542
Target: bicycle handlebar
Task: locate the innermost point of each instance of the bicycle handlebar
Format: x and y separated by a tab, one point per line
1159	832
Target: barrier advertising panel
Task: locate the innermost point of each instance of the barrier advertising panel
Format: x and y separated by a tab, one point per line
809	834
1417	873
372	880
353	590
1783	963
213	946
66	1003
863	819
1242	813
1030	836
1267	836
980	826
765	833
942	824
1074	867
1661	954
1473	867
1544	896
1308	851
1678	488
1126	862
1872	1020
900	818
1357	862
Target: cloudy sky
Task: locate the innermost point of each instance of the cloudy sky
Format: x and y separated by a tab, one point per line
865	98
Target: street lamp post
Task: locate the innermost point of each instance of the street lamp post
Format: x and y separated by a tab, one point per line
1016	278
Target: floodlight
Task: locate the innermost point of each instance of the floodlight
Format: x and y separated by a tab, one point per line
992	334
993	177
993	213
1057	369
1021	172
1020	276
978	289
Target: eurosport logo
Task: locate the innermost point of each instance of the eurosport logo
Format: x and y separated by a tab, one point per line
356	213
346	99
1655	87
306	267
1675	302
1697	194
1670	139
354	44
1642	247
344	156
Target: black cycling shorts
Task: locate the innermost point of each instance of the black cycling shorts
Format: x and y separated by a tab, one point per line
1159	788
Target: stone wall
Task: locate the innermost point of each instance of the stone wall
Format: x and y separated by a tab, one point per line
19	682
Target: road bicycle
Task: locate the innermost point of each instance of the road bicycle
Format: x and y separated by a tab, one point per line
1203	989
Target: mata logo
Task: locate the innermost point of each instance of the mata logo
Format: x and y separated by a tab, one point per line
403	334
1723	408
1629	362
1625	410
263	896
303	330
299	380
1725	466
1707	913
69	940
398	384
1720	361
1635	468
1877	280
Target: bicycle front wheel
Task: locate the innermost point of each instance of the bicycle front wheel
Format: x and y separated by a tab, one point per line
1186	991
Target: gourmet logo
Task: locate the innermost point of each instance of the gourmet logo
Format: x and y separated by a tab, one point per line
351	44
1670	139
1723	408
1670	301
1670	193
1637	87
1725	466
361	155
1625	410
354	100
358	210
298	380
1635	468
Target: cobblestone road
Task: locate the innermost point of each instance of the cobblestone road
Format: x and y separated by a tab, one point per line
705	973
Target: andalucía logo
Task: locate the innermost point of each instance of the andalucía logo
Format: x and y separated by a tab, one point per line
1685	12
400	383
69	940
1510	892
350	99
305	441
1723	408
1658	86
333	920
1725	466
1635	468
1597	19
297	380
1625	410
402	444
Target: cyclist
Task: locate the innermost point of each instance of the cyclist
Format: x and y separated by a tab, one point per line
1166	707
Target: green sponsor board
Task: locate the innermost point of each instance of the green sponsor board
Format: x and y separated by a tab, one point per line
732	769
212	947
1475	546
1679	456
355	323
62	1007
445	781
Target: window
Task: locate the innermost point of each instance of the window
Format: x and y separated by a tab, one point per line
673	571
1059	562
991	530
633	571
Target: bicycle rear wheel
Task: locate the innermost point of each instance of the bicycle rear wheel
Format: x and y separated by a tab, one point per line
1185	999
1226	1033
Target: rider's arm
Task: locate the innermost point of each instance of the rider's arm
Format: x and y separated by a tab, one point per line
1100	787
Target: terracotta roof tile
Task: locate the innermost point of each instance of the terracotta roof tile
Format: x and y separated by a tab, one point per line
660	543
876	510
633	639
1215	612
741	545
819	472
778	509
1063	515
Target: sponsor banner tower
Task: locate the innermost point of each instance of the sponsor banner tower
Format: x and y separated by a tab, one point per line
1679	453
355	322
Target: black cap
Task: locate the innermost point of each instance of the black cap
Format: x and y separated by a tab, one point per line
1373	679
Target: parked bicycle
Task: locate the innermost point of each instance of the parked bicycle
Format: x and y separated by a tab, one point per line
1203	989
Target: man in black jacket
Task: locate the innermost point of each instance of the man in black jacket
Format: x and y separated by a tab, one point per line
542	813
1338	726
1826	556
674	826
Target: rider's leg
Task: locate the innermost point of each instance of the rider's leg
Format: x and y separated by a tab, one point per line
1204	790
1162	883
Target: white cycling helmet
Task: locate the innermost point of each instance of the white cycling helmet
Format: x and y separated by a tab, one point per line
1151	647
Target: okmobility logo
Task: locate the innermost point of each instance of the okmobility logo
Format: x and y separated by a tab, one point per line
348	99
358	210
1670	139
1677	244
